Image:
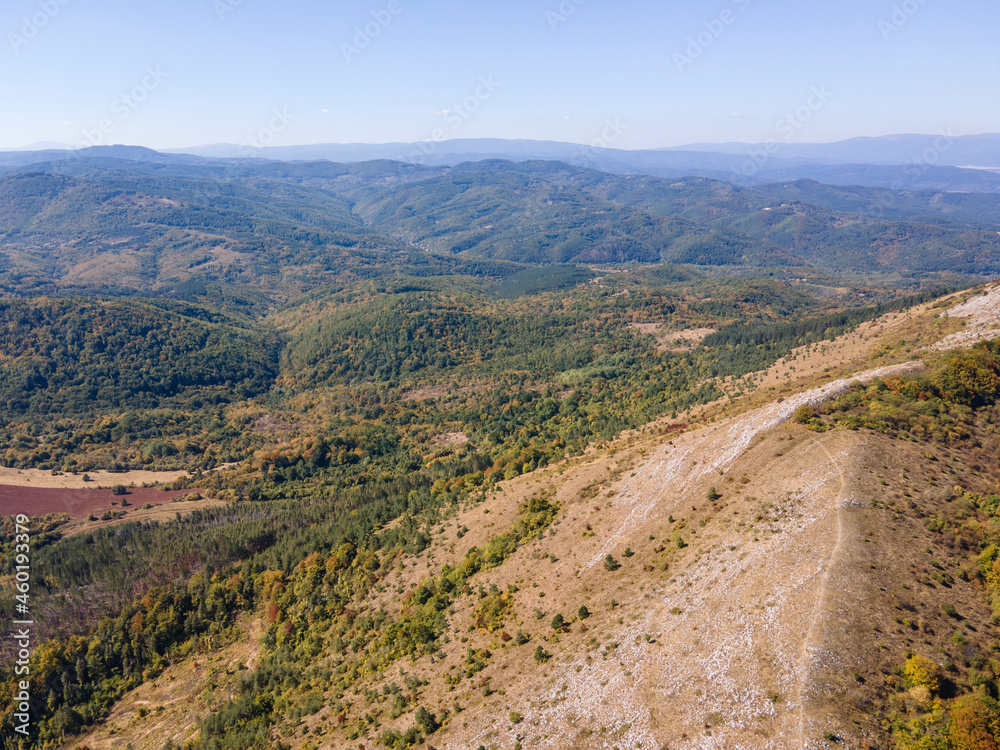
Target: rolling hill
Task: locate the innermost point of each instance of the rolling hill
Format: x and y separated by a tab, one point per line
116	225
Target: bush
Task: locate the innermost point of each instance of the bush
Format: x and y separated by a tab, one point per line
803	414
949	609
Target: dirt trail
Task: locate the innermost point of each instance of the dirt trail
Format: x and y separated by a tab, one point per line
813	642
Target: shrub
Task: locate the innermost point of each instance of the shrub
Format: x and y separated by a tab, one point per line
922	672
803	414
491	610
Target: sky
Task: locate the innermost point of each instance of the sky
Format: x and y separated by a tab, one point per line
625	74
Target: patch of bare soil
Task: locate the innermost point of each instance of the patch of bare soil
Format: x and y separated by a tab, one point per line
674	341
450	438
271	425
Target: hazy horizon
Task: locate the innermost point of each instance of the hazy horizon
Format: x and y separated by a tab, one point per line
42	146
633	76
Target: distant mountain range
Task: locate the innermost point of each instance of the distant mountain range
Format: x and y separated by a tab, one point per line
912	162
942	162
113	219
943	149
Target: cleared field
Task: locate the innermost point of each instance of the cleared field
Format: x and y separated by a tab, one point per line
77	503
39	478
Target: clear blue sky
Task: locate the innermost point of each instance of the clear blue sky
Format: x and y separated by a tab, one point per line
225	77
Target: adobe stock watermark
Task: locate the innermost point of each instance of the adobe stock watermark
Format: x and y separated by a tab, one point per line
566	10
614	128
456	117
698	44
123	107
31	26
365	35
250	147
901	15
917	167
786	127
224	8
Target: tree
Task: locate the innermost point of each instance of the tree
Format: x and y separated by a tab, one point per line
583	613
427	721
558	623
611	563
922	672
975	723
541	655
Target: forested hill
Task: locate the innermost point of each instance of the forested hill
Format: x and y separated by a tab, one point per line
62	357
120	225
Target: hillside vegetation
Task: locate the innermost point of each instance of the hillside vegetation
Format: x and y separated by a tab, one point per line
574	602
457	460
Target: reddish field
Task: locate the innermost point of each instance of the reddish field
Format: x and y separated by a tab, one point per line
37	501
